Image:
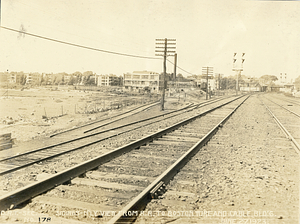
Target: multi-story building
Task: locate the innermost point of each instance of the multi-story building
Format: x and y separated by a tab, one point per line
109	80
33	79
212	85
143	80
15	78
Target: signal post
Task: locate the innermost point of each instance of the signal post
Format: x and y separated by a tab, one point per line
238	69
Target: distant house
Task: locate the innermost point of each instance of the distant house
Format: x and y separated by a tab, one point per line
15	78
201	82
282	87
250	87
138	80
287	88
33	79
108	80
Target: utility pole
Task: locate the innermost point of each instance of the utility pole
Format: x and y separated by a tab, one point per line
207	71
238	69
175	65
219	81
166	52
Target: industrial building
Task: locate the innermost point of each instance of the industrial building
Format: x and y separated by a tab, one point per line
143	80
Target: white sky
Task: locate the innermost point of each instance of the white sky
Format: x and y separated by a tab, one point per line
207	33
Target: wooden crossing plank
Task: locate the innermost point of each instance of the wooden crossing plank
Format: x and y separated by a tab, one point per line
107	185
97	175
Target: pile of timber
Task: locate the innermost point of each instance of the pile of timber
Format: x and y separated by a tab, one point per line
6	141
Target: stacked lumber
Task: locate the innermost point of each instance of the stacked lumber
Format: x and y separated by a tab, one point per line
6	141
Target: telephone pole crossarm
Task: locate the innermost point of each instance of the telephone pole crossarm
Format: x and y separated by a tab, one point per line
167	51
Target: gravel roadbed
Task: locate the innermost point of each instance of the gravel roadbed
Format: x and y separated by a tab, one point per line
247	173
39	171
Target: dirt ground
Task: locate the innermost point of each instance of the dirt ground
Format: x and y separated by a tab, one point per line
32	113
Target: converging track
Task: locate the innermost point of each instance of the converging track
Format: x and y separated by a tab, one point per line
113	180
90	135
247	173
287	119
285	99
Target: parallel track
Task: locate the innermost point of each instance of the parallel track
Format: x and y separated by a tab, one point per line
153	161
237	170
287	120
90	137
286	99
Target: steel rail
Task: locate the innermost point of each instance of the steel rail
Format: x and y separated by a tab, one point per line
97	121
140	201
23	194
161	115
90	135
79	138
136	122
284	130
289	100
72	149
298	115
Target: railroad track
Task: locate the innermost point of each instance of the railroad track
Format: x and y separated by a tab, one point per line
90	136
285	99
105	121
288	120
115	179
292	107
245	170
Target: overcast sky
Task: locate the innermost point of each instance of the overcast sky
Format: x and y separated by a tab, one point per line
207	33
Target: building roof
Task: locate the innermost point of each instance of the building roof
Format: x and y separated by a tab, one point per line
146	72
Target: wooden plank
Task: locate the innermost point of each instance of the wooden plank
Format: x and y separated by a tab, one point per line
158	157
5	141
69	203
7	135
114	166
98	192
166	142
173	140
107	185
7	166
180	137
98	175
6	146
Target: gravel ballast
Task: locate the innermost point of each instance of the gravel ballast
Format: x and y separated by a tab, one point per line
247	173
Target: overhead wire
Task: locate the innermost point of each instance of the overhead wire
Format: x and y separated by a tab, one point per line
180	68
89	48
77	45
